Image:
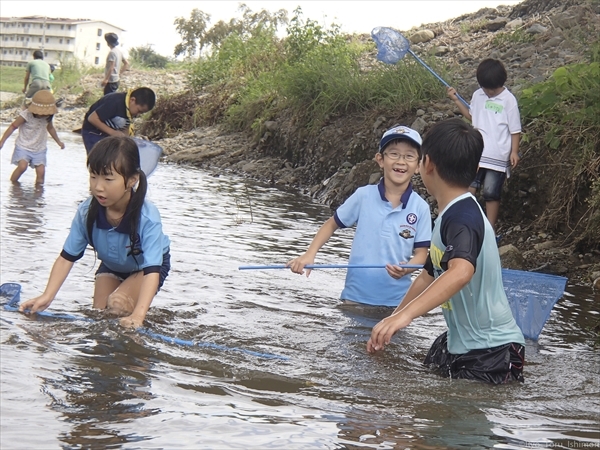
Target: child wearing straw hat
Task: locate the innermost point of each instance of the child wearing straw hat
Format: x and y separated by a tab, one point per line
34	124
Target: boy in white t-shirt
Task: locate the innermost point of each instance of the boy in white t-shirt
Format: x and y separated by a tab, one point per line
495	113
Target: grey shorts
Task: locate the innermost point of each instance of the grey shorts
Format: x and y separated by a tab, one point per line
33	159
490	182
37	85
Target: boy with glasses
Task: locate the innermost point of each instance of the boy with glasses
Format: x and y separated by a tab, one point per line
393	226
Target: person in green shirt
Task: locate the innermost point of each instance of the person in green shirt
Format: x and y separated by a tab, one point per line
37	75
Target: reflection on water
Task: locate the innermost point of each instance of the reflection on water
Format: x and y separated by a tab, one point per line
81	384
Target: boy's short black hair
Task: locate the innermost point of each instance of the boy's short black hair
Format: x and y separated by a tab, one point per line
455	147
38	54
144	97
491	74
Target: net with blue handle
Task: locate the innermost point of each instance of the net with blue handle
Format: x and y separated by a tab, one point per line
150	154
531	297
391	45
12	292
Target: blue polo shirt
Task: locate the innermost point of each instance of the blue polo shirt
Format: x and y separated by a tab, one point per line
478	316
113	244
383	235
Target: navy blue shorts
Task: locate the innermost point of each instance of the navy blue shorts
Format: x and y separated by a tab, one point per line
90	138
491	182
164	271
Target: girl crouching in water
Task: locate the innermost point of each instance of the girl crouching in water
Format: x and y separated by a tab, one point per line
123	228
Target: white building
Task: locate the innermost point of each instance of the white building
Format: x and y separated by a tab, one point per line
60	40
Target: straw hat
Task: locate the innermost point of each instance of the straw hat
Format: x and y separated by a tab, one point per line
43	103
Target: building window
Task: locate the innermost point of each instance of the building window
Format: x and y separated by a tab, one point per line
69	27
97	45
48	26
60	41
40	40
45	53
96	60
41	25
99	31
20	52
22	38
62	27
68	41
47	40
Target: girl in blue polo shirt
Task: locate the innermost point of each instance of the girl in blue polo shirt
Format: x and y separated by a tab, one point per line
125	231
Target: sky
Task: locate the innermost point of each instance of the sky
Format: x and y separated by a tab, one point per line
151	22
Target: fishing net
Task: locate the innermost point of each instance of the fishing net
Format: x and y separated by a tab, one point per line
150	153
531	297
391	45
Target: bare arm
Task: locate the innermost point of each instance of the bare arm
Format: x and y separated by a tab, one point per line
95	120
451	92
515	140
124	66
459	273
54	135
147	292
322	236
10	130
58	275
26	81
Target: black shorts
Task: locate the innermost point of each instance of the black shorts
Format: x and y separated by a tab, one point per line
163	273
495	365
111	87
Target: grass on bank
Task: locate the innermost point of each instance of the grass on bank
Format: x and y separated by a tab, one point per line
312	76
66	78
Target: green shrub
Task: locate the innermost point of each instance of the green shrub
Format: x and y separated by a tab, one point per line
145	56
564	112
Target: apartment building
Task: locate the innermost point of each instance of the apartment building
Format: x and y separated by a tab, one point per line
59	39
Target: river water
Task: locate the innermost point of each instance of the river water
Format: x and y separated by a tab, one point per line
263	359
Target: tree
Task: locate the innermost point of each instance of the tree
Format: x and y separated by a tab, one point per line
191	32
195	34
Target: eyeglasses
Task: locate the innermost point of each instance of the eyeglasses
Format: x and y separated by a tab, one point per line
395	156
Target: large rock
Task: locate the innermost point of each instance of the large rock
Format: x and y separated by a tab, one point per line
511	257
422	36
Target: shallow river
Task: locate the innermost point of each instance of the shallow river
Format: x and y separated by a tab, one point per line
263	359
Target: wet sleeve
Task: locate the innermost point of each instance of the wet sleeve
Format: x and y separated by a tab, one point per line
462	233
428	266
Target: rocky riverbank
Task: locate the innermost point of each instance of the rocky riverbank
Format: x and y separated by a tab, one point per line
532	39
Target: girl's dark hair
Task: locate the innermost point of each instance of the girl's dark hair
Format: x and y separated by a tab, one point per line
491	74
119	154
455	147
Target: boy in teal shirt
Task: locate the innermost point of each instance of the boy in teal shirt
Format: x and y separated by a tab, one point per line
462	273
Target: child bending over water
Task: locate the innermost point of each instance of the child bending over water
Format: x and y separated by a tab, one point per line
125	230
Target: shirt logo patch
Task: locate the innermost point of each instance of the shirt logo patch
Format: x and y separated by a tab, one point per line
406	234
411	218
